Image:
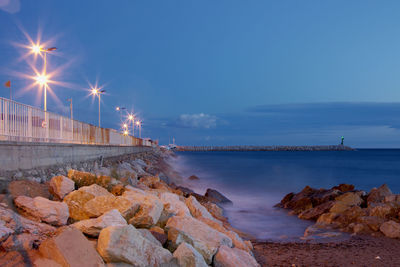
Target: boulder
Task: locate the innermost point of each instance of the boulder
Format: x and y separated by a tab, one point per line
173	205
185	191
345	201
149	181
102	204
69	247
150	208
203	238
87	178
383	210
28	188
301	201
60	186
193	178
187	256
21	242
42	209
236	240
77	199
215	210
126	244
374	223
392	198
377	195
149	236
200	198
14	221
197	210
344	187
93	227
5	232
322	196
390	229
233	257
216	197
159	235
118	190
349	216
314	213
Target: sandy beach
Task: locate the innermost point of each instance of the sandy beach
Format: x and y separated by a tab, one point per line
357	251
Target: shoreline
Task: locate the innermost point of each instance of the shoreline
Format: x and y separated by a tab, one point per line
150	175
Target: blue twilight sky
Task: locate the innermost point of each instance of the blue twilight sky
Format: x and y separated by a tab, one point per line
219	72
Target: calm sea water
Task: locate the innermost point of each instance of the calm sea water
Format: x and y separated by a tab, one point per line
256	181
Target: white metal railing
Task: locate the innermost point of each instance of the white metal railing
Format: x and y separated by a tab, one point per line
20	122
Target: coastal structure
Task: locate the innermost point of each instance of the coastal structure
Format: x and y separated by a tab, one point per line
265	148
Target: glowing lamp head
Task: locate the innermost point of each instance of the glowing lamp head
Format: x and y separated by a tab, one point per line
41	79
125	132
117	108
95	91
138	123
130	117
36	49
125	125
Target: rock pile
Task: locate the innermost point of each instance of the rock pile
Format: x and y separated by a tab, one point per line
344	208
135	218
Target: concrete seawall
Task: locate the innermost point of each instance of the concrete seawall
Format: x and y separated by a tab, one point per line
24	156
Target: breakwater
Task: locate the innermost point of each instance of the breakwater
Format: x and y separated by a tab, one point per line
265	148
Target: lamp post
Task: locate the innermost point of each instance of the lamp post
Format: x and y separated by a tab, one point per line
139	124
42	79
131	117
119	109
97	92
70	107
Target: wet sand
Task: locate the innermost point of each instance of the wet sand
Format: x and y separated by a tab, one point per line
356	251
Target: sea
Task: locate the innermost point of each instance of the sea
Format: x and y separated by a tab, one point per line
256	181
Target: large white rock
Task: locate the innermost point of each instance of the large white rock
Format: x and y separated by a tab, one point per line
126	244
93	227
173	205
60	186
149	236
150	208
391	229
77	199
197	210
203	238
236	240
69	247
233	257
42	209
102	204
187	256
13	220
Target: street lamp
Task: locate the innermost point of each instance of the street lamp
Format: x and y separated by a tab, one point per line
131	117
43	79
119	109
97	92
139	124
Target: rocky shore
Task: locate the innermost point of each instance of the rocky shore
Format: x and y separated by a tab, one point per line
125	213
352	228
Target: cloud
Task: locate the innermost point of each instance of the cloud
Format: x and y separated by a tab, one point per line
10	6
200	120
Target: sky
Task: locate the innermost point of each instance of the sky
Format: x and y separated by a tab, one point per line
227	72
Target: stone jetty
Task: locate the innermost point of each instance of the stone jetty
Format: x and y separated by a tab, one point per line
265	148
